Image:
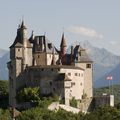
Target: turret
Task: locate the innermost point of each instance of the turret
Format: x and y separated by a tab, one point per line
63	47
20	57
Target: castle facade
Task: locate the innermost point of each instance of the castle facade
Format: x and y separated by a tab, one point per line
35	61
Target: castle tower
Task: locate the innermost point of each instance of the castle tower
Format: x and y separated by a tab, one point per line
82	60
20	57
63	47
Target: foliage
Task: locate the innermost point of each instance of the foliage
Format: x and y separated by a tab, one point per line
38	113
4	114
73	102
3	86
3	94
28	95
101	113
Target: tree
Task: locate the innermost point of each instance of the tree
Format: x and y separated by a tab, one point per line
3	94
28	95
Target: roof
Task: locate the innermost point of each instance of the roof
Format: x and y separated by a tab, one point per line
63	41
19	38
55	67
62	76
49	47
83	57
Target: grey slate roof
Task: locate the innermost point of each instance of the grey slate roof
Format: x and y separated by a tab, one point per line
19	39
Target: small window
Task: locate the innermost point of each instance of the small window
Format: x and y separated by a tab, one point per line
50	83
18	49
88	66
69	74
38	56
75	74
54	89
72	84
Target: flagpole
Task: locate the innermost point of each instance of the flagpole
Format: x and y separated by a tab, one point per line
112	87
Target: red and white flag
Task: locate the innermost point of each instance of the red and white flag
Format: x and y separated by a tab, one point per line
110	77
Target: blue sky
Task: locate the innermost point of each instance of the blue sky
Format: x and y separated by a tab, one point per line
97	21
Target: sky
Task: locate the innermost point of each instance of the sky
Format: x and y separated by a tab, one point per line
97	21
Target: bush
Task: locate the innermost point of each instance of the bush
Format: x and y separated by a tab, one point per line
73	102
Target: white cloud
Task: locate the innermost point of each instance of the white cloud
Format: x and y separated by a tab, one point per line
85	31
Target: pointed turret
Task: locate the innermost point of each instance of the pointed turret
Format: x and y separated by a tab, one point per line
23	24
63	41
63	47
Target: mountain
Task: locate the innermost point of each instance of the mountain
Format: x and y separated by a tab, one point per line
100	55
3	66
115	73
103	62
2	52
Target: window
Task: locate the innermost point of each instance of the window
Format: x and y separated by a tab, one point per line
54	89
18	49
50	83
88	66
75	74
38	56
69	74
72	84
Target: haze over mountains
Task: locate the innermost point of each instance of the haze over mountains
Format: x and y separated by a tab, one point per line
105	63
4	58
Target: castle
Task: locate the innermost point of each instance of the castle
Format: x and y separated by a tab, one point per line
35	61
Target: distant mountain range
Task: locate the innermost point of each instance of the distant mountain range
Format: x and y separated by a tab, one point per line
105	63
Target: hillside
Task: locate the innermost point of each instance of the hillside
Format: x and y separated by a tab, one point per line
114	88
115	74
3	66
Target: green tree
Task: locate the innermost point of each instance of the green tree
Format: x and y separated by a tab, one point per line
28	95
73	102
3	94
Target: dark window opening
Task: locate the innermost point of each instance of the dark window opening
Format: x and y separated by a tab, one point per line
54	89
50	83
75	74
69	74
88	66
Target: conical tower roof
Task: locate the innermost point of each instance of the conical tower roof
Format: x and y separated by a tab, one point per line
63	41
